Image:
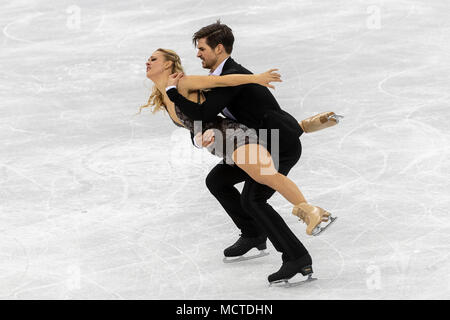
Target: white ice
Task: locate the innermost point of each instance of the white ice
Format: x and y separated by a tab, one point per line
100	203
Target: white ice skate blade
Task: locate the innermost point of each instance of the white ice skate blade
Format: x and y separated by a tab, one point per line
321	227
284	283
336	117
262	253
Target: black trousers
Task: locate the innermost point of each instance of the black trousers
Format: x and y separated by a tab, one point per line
250	211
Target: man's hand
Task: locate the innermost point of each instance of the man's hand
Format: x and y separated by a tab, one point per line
173	79
269	76
205	139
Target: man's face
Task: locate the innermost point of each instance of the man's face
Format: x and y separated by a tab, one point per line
206	54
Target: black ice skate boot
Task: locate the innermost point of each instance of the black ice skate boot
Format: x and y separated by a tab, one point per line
244	245
289	269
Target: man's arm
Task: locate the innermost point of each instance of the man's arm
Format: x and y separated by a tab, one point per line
201	140
218	99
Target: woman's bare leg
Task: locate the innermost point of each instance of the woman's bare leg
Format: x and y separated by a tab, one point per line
257	162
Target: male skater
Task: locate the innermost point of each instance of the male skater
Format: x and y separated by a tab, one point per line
255	107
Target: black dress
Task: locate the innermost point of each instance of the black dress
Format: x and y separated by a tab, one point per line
228	134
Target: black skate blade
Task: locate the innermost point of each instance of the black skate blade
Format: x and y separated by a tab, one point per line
318	230
261	254
284	283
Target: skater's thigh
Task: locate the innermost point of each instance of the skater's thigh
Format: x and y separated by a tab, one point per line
256	161
226	174
257	192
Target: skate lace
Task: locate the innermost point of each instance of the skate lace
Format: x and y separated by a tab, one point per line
303	216
306	216
239	241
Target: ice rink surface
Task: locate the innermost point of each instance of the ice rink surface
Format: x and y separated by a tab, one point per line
98	202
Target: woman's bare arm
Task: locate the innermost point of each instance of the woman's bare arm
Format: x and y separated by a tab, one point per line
190	83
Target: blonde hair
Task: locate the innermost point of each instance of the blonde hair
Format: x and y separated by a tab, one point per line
156	97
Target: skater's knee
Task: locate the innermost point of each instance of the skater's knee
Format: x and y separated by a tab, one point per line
215	182
261	175
271	180
211	183
252	202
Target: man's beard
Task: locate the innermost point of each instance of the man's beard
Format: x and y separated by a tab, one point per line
207	65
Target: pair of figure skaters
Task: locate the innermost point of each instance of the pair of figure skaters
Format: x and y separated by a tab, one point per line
249	108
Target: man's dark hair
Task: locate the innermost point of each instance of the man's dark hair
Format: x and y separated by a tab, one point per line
216	33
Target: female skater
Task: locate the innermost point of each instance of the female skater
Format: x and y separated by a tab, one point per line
164	68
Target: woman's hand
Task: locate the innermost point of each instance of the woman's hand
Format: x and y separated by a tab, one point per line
173	79
205	139
269	76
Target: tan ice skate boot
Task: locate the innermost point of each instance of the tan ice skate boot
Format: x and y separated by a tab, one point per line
313	216
320	121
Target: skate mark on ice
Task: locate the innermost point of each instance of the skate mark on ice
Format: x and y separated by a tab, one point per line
23	19
393	75
341	60
313	89
342	262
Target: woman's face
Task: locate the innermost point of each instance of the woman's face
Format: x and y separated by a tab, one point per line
155	64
